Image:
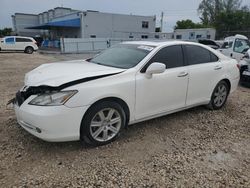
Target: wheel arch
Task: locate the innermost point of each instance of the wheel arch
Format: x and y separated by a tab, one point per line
121	102
29	47
228	83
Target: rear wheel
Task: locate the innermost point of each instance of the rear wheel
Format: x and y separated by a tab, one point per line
103	123
219	96
29	50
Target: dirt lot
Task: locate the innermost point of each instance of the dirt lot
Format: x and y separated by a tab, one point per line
194	148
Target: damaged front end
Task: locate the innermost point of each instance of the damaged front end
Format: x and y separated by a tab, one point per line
24	94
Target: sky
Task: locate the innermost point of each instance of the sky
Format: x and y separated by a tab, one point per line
174	10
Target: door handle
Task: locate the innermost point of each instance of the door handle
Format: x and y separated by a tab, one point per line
183	74
218	67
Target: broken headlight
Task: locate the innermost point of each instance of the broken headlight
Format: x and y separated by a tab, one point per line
53	99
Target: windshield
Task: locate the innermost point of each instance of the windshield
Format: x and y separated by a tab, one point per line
241	45
122	56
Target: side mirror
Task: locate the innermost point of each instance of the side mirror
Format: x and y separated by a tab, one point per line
1	41
155	68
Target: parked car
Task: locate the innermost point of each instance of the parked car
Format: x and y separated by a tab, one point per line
235	46
209	43
17	43
94	99
245	69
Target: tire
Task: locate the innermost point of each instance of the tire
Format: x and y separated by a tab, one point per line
29	50
96	128
219	96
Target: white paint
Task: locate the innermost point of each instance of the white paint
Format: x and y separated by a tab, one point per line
147	98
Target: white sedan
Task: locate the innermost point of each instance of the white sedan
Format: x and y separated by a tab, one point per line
94	99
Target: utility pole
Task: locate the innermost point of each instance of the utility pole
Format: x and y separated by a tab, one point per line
162	15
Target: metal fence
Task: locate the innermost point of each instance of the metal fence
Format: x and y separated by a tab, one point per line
79	45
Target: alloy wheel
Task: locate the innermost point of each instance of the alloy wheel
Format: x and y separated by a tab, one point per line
105	125
220	95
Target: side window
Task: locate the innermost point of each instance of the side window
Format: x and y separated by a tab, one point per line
227	45
19	39
241	45
23	40
10	40
197	55
171	56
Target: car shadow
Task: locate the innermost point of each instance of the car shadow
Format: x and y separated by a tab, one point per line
11	52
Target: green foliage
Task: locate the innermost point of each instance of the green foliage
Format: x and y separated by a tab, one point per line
227	16
237	21
5	32
210	9
188	24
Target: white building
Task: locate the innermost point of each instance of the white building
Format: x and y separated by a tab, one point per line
68	23
22	21
195	34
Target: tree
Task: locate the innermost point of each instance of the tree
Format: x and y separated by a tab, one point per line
230	23
188	24
226	16
5	32
210	9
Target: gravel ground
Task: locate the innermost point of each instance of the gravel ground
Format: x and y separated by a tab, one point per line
193	148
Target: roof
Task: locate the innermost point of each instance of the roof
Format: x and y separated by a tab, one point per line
73	23
19	37
19	13
162	43
157	42
196	29
236	36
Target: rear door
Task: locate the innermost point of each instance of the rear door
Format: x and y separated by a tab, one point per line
20	43
205	71
227	48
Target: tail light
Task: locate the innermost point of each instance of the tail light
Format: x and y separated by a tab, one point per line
238	66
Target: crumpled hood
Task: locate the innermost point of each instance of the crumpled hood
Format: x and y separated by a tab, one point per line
56	74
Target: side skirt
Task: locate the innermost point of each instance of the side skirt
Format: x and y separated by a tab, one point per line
166	113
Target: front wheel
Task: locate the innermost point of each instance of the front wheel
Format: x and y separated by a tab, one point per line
219	96
103	123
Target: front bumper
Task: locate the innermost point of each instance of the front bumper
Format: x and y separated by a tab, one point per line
51	123
245	78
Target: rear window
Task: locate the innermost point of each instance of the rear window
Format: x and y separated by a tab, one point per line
23	40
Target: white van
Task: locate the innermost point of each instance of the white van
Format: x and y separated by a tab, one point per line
17	43
235	46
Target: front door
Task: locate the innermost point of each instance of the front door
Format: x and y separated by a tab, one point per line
8	43
162	92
